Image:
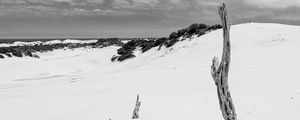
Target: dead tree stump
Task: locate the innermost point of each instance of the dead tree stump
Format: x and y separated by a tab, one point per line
219	72
136	109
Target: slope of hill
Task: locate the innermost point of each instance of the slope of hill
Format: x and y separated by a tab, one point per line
173	83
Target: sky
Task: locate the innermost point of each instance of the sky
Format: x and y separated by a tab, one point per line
131	18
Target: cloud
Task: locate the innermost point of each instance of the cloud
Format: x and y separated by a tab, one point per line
54	2
178	4
41	11
146	3
45	2
71	2
126	17
121	4
12	1
208	2
274	3
164	10
136	4
96	1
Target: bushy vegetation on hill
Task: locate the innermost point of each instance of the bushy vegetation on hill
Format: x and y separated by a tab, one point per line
127	49
194	29
125	52
27	50
105	42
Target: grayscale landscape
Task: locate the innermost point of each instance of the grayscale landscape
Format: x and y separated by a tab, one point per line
149	59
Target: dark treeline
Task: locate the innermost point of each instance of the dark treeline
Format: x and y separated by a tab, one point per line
126	51
30	50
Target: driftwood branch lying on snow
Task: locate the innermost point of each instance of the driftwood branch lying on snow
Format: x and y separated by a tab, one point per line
220	70
136	109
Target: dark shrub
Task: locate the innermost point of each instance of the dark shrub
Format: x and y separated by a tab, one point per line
182	32
126	51
201	32
130	45
17	54
127	48
35	56
148	46
197	29
123	51
108	42
28	53
173	35
8	54
160	41
193	28
113	59
1	57
214	27
202	26
124	57
171	42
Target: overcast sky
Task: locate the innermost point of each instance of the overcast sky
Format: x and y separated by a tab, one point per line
131	18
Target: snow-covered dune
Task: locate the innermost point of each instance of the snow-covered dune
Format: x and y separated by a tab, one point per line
173	83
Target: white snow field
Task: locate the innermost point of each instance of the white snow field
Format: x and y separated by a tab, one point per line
173	83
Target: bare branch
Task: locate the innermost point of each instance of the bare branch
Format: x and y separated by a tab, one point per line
136	109
220	71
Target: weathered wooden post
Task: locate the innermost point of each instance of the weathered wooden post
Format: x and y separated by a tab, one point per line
219	72
136	109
